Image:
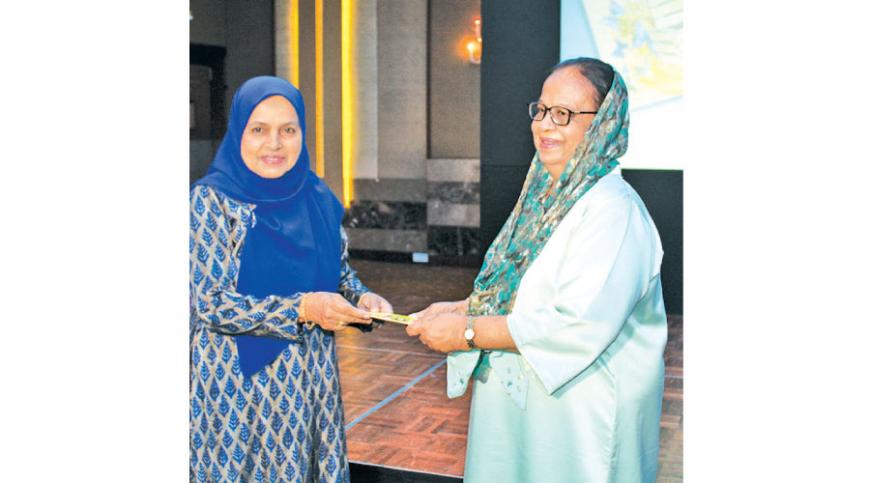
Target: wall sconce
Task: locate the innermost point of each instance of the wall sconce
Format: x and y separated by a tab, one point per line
474	47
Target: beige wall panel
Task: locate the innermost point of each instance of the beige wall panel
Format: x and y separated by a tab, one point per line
332	95
365	149
454	83
452	214
402	88
283	49
306	72
458	170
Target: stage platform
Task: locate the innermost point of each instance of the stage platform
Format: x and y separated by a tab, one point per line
401	427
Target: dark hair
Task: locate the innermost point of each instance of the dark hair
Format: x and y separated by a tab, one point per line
599	73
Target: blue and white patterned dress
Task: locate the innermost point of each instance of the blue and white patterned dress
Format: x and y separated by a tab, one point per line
285	423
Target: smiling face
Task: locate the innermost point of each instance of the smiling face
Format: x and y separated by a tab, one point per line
568	88
272	139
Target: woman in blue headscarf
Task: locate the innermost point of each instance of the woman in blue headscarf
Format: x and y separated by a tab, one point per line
269	285
564	332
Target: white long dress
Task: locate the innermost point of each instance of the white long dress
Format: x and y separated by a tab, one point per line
590	325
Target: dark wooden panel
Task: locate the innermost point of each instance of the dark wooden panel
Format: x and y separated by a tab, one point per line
662	193
520	45
500	188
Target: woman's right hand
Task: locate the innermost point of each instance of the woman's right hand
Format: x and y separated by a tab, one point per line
458	307
331	311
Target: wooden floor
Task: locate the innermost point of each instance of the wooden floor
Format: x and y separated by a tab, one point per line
393	387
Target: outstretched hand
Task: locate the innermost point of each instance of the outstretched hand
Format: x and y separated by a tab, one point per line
331	311
373	302
457	307
442	332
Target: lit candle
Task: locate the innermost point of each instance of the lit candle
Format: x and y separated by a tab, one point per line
473	52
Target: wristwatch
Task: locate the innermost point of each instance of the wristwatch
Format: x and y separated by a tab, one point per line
469	333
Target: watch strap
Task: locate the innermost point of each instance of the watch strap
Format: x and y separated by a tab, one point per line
469	327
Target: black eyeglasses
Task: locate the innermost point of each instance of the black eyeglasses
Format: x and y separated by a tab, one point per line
561	116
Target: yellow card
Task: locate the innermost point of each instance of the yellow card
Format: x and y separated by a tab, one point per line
395	318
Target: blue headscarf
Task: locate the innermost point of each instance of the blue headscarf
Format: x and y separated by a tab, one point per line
295	244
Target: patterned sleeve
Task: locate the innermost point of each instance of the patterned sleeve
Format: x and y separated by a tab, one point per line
215	241
349	286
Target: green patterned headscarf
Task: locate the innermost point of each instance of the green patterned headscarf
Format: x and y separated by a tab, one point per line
536	215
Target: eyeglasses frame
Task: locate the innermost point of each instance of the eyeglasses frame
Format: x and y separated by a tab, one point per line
547	110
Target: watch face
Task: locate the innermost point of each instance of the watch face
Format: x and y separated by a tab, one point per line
469	334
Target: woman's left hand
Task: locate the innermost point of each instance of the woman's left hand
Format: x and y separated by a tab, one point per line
444	332
373	302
